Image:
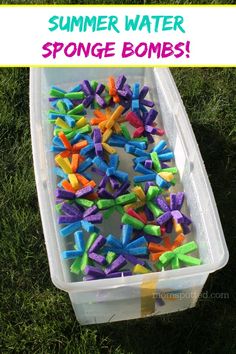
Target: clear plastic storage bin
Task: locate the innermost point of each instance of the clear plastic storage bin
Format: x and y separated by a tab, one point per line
116	299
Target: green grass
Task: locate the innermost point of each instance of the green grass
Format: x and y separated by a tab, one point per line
112	2
38	318
70	2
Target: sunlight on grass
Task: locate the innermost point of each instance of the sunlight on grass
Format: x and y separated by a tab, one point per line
38	318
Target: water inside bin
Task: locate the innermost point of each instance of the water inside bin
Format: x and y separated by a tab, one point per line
112	225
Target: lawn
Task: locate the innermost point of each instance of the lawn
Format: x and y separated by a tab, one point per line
38	318
112	2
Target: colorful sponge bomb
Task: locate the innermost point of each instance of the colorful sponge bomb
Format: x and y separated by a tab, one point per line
147	200
118	91
139	223
178	256
144	125
172	215
136	247
65	110
80	253
139	103
111	168
97	146
113	204
163	176
156	250
95	192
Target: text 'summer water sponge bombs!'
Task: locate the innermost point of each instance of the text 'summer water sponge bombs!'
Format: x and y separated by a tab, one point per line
92	188
145	23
